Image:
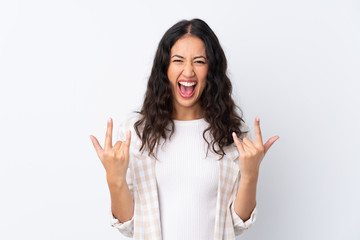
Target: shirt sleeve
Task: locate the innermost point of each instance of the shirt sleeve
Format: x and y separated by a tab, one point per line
239	224
125	228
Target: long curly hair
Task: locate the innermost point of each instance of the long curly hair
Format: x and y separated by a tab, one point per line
216	101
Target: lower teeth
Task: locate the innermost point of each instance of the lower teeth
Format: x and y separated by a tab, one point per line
183	89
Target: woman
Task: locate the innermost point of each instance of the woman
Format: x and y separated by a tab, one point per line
164	182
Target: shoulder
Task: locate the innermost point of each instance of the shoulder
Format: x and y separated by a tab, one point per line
127	124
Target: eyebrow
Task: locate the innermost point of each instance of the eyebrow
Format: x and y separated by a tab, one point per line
183	57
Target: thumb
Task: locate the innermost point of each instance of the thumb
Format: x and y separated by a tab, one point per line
270	142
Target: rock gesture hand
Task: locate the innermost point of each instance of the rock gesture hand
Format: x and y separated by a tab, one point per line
115	159
252	153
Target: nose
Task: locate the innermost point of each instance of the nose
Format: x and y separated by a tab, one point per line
188	70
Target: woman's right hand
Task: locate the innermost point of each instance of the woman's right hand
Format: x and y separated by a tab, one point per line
115	159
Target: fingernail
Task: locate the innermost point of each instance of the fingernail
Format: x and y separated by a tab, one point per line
234	134
109	120
257	119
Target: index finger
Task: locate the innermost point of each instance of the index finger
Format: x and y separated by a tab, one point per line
258	137
108	137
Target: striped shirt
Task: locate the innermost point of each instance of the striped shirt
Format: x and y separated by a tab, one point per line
141	179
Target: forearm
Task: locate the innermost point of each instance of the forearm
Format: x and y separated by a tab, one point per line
245	200
122	202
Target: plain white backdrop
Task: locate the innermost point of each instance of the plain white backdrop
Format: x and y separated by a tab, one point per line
67	66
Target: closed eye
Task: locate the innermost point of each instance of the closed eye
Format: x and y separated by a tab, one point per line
202	62
177	60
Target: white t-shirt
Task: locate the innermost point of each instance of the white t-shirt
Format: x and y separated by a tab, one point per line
187	183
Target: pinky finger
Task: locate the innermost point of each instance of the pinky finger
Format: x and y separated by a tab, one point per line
238	143
97	146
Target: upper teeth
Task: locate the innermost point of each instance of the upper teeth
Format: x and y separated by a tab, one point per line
188	84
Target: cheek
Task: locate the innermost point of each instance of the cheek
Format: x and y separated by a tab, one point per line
171	76
172	73
203	79
202	87
203	73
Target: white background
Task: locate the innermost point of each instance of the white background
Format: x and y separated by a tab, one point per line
66	66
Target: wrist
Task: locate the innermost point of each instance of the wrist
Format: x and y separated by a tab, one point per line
115	182
249	179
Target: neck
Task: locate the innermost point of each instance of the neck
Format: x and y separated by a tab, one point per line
187	114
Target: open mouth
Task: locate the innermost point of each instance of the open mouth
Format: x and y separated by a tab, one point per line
187	88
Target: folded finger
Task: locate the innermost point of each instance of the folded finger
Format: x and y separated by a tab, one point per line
118	145
248	142
249	146
127	144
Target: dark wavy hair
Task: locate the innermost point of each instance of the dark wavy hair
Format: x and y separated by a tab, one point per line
216	101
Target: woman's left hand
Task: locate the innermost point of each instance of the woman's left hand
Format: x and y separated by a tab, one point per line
251	154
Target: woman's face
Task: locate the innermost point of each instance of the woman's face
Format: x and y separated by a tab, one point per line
187	72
